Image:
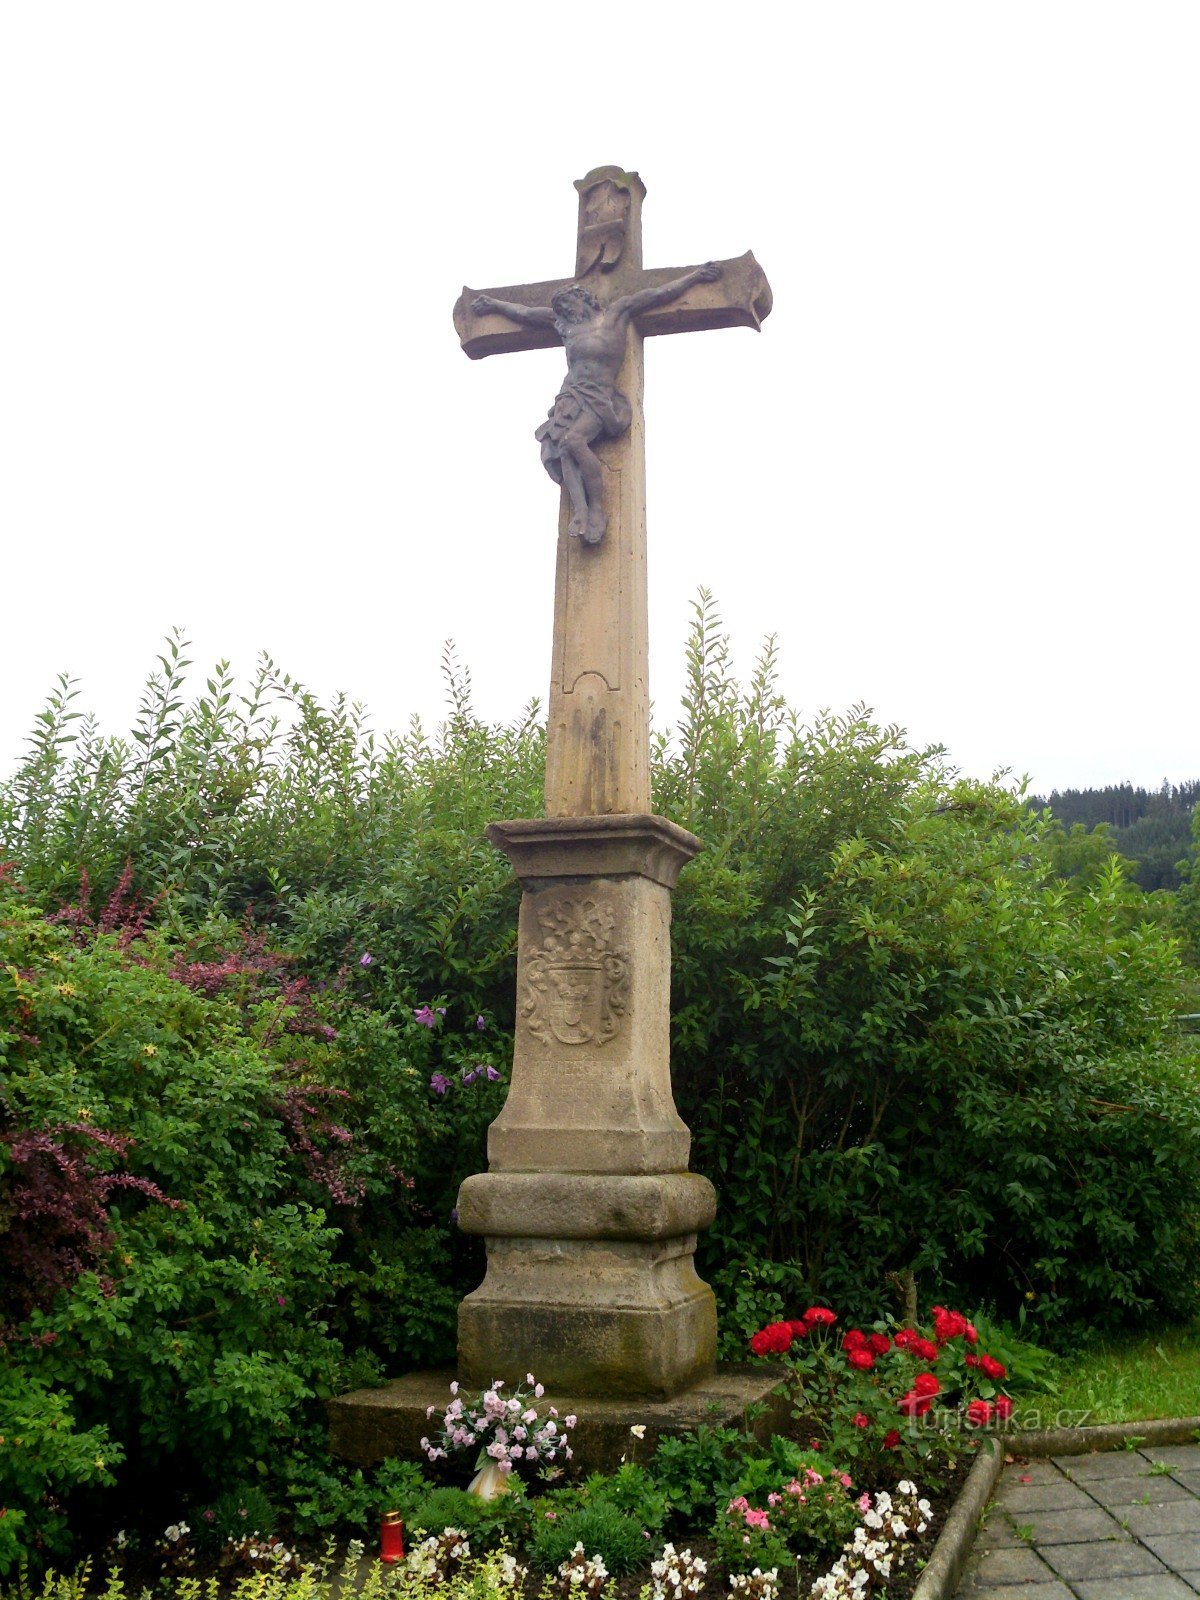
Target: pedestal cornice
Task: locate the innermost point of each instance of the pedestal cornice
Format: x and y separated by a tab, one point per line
623	845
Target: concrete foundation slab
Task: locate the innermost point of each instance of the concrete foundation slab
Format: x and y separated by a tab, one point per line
371	1425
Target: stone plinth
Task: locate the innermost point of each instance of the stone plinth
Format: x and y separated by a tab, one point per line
588	1209
372	1425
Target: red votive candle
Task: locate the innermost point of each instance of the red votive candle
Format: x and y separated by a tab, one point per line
391	1537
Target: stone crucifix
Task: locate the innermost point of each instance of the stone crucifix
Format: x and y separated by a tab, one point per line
592	443
588	1208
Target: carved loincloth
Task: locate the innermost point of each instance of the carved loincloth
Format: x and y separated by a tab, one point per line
609	407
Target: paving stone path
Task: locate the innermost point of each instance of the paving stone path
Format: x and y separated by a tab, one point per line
1120	1526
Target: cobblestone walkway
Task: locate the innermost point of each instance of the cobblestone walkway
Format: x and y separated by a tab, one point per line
1124	1525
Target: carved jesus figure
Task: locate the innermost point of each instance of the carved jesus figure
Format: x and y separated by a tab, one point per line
589	406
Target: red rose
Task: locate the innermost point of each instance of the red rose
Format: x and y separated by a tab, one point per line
904	1339
972	1336
993	1368
948	1325
819	1316
799	1329
773	1340
862	1359
926	1384
925	1348
880	1343
858	1420
891	1439
972	1361
979	1413
1003	1408
913	1405
854	1339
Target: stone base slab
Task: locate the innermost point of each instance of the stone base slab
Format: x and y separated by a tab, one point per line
372	1425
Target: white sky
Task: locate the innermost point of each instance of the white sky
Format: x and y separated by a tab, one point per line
956	473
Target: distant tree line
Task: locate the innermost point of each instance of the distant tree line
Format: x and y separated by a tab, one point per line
1152	828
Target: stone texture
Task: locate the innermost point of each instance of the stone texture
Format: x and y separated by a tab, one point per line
372	1425
974	1589
551	1205
1160	1586
1119	1493
1178	1550
1075	1562
1113	1464
1072	1527
1019	1500
603	1317
1012	1566
1175	1516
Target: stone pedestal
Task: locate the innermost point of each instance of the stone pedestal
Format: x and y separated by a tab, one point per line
589	1211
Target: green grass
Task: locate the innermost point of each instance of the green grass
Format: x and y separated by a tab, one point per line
1132	1378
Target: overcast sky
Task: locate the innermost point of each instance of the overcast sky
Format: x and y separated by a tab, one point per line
956	473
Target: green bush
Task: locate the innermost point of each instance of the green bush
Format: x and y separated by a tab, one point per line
170	1275
602	1530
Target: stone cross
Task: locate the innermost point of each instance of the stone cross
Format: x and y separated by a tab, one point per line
588	1208
598	733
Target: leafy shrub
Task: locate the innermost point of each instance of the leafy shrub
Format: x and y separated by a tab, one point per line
324	1496
633	1491
484	1522
177	1276
602	1530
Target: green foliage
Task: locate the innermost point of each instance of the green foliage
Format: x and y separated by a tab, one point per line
238	1511
485	1522
201	1333
324	1496
1150	828
45	1454
698	1471
600	1527
633	1490
898	1046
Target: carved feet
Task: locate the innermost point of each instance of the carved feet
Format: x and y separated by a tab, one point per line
589	526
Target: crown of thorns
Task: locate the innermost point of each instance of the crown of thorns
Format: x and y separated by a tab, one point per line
580	293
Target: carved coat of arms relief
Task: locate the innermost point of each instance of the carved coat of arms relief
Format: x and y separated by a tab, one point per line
576	986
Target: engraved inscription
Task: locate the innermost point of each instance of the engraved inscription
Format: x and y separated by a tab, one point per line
577	984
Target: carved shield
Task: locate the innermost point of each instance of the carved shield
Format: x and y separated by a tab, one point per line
576	984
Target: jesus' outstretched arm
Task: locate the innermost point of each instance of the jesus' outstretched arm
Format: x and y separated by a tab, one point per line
531	316
630	305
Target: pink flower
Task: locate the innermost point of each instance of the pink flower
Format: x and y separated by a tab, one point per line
425	1016
858	1420
758	1519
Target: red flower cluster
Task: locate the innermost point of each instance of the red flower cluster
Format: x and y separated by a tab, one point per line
919	1398
877	1343
777	1337
989	1366
949	1325
925	1349
773	1340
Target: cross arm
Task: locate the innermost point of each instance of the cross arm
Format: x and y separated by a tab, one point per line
739	298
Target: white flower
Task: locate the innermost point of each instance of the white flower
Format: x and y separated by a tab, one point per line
638	1430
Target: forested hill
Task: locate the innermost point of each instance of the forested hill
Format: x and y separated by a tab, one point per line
1152	827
